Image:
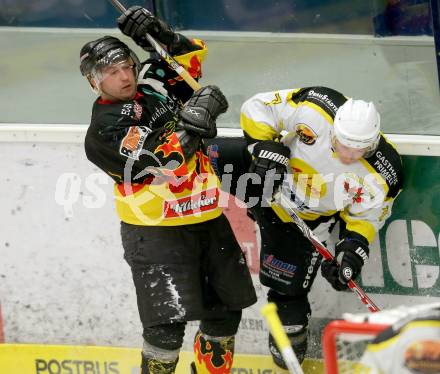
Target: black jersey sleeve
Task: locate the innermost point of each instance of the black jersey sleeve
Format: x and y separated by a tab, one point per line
131	141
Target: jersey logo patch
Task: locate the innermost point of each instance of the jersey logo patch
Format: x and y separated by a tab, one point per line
270	261
132	143
305	134
190	205
355	193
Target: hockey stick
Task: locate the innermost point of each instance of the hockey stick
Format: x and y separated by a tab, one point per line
269	311
289	207
165	55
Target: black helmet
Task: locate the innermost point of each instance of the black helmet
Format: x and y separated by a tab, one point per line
105	51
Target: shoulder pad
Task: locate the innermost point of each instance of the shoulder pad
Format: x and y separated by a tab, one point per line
326	98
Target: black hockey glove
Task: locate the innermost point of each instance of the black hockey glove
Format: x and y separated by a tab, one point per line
201	111
189	143
137	21
268	156
354	252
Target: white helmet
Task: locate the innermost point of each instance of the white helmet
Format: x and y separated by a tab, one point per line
357	124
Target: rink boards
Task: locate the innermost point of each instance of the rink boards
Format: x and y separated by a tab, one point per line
63	279
53	359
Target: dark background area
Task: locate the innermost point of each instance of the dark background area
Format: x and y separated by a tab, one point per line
373	17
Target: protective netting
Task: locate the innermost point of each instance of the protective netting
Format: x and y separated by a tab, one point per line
349	348
344	344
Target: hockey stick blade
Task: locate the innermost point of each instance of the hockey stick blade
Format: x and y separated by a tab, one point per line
288	206
165	55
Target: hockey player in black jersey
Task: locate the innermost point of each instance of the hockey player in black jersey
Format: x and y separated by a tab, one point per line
335	165
146	132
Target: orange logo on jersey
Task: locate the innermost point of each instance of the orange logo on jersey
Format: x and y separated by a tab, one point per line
305	134
132	143
132	138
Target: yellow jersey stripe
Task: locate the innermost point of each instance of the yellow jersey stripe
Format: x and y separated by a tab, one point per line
289	98
365	228
318	109
257	130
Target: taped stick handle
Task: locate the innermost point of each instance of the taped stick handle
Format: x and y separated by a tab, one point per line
165	55
118	5
269	311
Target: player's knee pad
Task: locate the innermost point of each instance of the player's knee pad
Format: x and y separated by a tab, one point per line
228	325
213	354
167	337
161	348
298	337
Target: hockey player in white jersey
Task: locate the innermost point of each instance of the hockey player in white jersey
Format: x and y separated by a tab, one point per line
339	167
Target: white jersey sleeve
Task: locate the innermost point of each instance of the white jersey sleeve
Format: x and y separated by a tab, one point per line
264	116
